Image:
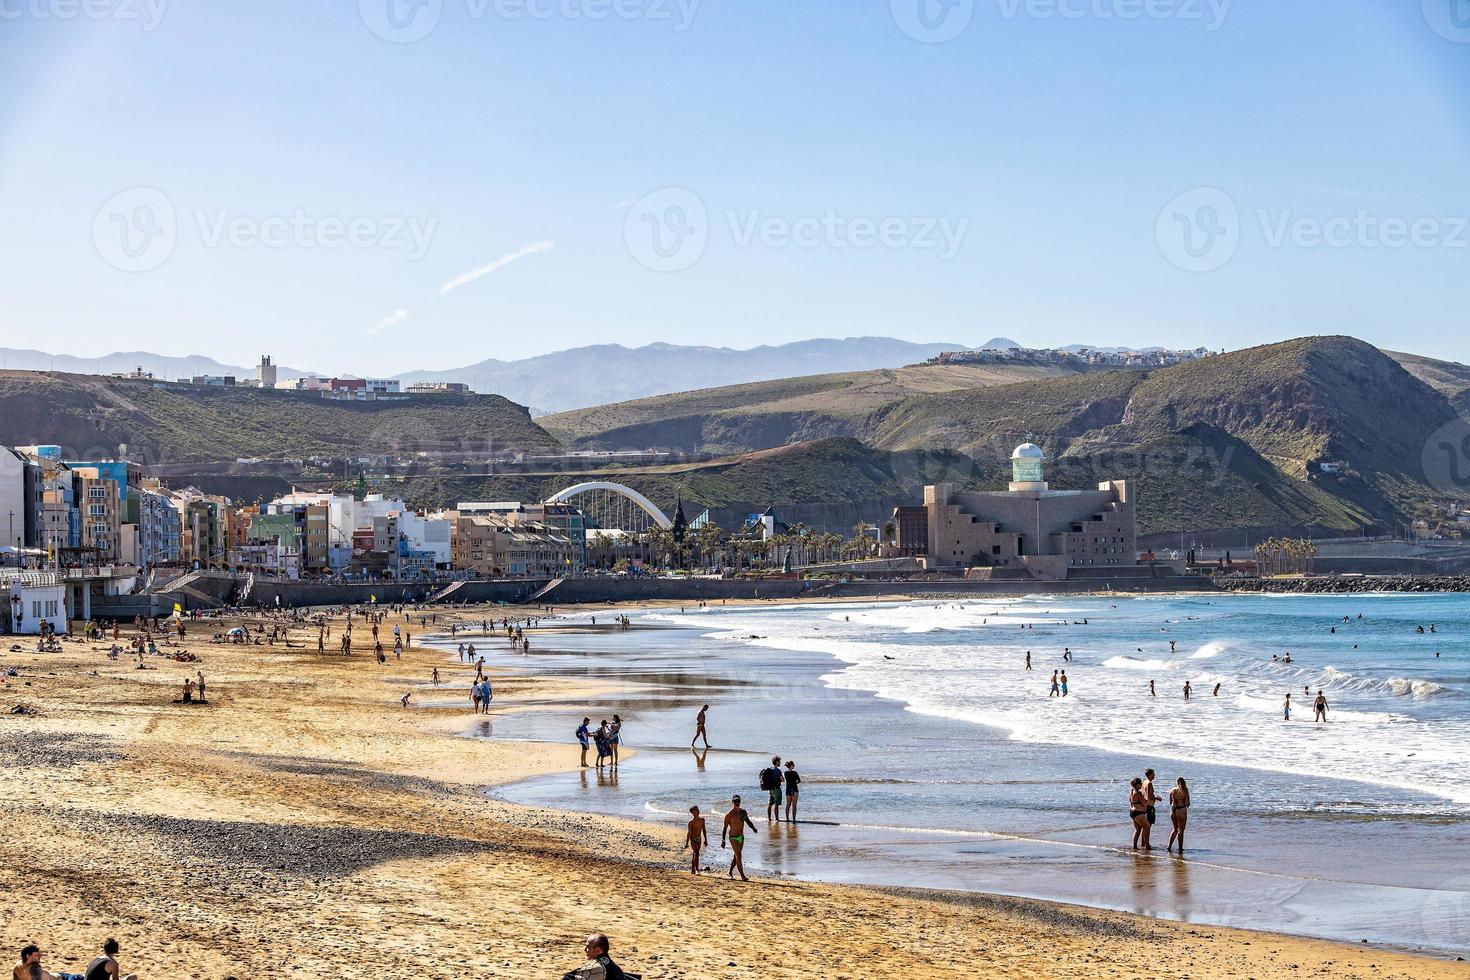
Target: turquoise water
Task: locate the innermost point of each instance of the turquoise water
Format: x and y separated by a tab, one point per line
930	756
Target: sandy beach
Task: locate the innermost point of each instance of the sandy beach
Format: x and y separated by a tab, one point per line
304	824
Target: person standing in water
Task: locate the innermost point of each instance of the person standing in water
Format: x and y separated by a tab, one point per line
1178	813
1286	708
1056	689
793	784
699	729
1186	690
1028	659
584	737
736	820
1064	683
696	838
1151	692
1137	811
1319	708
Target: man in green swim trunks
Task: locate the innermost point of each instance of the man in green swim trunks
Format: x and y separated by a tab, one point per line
736	820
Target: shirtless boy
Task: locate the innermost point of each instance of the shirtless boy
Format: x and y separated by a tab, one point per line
696	839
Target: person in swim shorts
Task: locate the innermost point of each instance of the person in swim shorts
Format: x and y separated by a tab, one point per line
736	820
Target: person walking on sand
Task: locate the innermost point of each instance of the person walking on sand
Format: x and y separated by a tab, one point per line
475	695
584	737
771	782
1137	811
436	677
1056	688
1319	708
793	790
696	838
1178	813
736	820
699	729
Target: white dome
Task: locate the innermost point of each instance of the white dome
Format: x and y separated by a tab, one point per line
1028	450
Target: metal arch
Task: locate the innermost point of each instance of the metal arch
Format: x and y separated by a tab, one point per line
644	504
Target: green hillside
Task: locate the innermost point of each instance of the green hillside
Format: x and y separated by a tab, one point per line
172	423
766	414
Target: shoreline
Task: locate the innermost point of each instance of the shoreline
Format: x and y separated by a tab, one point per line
304	802
871	859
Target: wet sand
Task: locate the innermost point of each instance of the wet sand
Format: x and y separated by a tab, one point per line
304	824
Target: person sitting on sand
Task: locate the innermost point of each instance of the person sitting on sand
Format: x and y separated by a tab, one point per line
105	967
736	820
188	690
599	965
1178	813
30	967
696	838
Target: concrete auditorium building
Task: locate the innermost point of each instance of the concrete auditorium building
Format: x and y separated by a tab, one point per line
1050	534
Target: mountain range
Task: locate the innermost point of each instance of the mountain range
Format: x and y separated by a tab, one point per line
560	381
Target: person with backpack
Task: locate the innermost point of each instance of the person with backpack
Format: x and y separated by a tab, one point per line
771	782
584	737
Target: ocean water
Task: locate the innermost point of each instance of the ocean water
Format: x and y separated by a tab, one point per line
931	757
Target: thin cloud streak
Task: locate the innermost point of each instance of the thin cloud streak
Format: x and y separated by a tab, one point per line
468	277
396	317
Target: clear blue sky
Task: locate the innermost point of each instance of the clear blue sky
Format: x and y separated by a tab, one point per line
1048	139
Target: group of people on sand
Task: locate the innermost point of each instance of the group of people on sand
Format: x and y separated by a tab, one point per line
1143	803
102	967
608	738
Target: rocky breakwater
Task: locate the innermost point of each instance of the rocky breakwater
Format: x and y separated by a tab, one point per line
1328	585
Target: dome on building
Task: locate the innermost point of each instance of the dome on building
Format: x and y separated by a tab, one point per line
1028	450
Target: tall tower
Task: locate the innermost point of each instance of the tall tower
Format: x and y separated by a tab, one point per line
265	372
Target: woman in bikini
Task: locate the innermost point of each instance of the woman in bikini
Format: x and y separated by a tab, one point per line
1178	812
1137	810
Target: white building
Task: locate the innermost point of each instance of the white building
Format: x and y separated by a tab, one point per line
31	597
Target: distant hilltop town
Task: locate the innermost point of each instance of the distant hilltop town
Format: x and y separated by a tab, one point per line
358	389
1155	357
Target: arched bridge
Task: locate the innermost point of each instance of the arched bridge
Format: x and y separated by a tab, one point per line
613	505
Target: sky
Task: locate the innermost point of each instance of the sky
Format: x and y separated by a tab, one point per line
378	186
